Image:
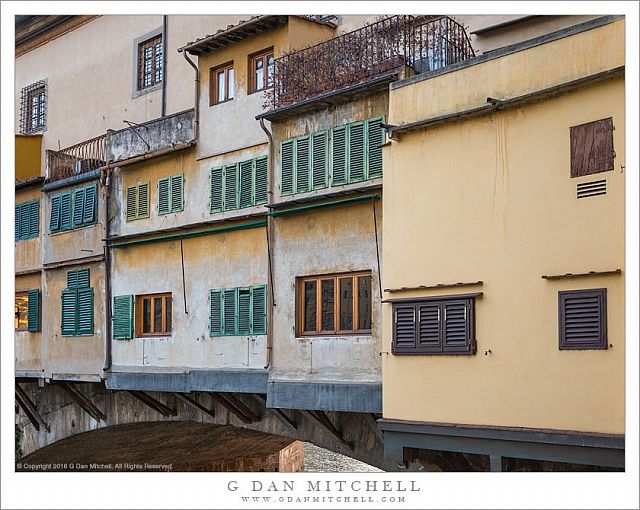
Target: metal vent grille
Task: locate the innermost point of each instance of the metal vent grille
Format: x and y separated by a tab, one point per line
592	189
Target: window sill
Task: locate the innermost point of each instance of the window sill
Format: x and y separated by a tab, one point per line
221	102
142	92
81	227
325	336
78	336
450	353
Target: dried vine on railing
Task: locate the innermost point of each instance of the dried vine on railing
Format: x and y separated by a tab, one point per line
77	159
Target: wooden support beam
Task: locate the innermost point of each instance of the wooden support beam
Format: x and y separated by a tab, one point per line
374	426
193	403
83	401
30	410
218	397
154	404
278	413
323	420
247	411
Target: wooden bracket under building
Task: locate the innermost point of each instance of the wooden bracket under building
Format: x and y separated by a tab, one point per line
83	401
323	420
278	413
193	403
233	405
30	409
154	404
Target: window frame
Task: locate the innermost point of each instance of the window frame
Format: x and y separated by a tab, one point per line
214	98
37	89
149	42
25	295
336	277
263	56
139	316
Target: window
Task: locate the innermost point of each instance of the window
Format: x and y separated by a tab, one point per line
170	194
73	209
137	201
582	318
443	325
77	304
153	314
334	304
238	311
33	108
261	67
592	147
27	220
150	62
21	311
221	84
344	155
239	185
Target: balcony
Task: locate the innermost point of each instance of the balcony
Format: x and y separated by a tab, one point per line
76	160
423	43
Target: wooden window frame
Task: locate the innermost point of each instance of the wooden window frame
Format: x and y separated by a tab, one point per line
262	55
152	43
600	343
25	295
139	314
213	83
336	277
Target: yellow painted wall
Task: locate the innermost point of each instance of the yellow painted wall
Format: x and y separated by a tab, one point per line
28	153
28	344
492	199
28	256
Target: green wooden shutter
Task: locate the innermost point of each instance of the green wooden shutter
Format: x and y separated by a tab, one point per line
356	152
143	200
24	221
90	204
261	180
375	138
34	218
33	310
287	165
78	278
54	221
230	187
339	155
245	192
17	220
132	203
78	206
122	317
244	311
177	193
258	310
319	160
72	279
230	314
215	313
69	308
164	206
85	311
303	167
216	189
65	211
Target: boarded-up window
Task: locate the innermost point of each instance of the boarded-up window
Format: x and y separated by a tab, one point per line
582	318
592	147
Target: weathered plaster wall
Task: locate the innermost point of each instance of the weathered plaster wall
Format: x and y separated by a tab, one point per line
28	252
28	345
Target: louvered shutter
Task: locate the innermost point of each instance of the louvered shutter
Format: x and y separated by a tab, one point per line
215	191
122	317
244	311
54	221
34	218
69	309
65	211
230	316
261	180
24	221
259	308
177	193
456	334
143	200
215	313
85	311
33	310
429	334
356	152
164	206
72	279
78	278
78	206
375	138
287	165
339	155
404	328
90	204
246	184
319	160
132	202
583	319
302	164
230	187
17	222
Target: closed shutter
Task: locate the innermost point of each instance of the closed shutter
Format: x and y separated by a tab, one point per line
33	310
78	278
215	191
230	187
164	205
229	314
215	313
90	204
455	326
319	160
78	206
177	195
356	152
85	311
259	307
244	311
65	211
375	138
54	221
262	176
404	328
339	155
132	202
17	222
143	200
246	184
34	218
592	147
286	164
302	164
122	317
69	308
583	319
24	221
429	327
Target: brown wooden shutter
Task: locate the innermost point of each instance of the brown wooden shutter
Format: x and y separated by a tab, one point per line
582	317
429	337
404	328
592	147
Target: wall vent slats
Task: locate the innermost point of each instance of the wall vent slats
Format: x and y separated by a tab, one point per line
592	189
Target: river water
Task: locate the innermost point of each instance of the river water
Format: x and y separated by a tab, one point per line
319	460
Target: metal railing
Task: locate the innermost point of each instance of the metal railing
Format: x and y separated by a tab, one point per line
77	159
423	43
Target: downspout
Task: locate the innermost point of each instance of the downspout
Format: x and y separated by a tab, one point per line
165	20
271	302
107	276
196	105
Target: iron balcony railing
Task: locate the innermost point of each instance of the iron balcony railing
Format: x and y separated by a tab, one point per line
424	43
77	159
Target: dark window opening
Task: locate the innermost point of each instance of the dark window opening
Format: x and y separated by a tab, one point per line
150	62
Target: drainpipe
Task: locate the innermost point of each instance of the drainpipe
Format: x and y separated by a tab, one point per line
270	295
165	20
107	270
196	106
